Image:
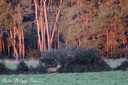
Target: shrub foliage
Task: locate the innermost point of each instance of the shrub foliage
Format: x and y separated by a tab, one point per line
3	68
74	59
22	66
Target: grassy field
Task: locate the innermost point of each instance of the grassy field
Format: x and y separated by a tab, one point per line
115	63
93	78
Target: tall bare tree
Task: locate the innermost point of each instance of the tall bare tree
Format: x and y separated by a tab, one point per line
47	29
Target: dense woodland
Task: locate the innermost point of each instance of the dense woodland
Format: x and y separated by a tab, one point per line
29	27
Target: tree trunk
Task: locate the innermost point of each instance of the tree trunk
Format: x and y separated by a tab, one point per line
15	52
107	41
38	27
1	48
23	48
46	24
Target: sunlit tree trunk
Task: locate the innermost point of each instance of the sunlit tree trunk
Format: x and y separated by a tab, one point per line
107	41
21	34
38	27
55	29
46	24
20	45
1	46
13	36
42	27
23	46
46	32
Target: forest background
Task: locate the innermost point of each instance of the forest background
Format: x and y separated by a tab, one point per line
29	27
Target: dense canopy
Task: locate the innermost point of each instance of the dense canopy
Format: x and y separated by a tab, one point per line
29	27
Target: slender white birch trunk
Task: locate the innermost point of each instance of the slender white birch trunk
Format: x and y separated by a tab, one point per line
38	27
46	23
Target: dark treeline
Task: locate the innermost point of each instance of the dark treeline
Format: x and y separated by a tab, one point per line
29	27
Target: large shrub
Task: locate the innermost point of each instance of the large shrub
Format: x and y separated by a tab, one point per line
85	60
47	60
74	59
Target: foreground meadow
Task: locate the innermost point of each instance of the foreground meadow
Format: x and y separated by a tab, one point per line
91	78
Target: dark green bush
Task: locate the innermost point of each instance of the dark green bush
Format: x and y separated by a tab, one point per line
22	66
123	66
53	57
3	67
48	59
85	60
75	59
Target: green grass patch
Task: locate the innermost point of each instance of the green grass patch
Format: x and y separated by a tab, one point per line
12	64
93	78
115	63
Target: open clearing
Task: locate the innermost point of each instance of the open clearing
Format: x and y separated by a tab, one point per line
91	78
